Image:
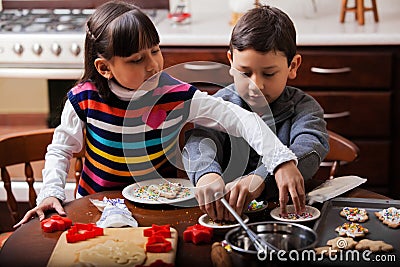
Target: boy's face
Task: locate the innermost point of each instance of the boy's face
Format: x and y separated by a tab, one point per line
261	77
134	71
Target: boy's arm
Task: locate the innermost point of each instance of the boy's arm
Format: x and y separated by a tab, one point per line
309	138
232	119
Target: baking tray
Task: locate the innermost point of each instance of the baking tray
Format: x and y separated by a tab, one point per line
330	219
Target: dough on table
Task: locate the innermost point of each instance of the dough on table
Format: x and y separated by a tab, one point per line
112	253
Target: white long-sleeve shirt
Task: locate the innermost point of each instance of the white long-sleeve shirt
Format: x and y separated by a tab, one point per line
205	110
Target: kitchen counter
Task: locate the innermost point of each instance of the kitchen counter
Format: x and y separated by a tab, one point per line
320	28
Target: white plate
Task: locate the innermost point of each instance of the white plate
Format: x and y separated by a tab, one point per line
131	191
206	221
275	213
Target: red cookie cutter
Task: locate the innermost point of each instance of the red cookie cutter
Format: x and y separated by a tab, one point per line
55	223
198	234
83	231
158	244
161	230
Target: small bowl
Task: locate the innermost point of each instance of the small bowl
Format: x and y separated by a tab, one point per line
256	206
312	212
283	235
206	221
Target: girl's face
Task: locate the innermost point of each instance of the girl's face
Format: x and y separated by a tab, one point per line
135	71
260	78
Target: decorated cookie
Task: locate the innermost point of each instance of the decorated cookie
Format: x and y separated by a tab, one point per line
354	214
389	216
351	230
343	243
373	245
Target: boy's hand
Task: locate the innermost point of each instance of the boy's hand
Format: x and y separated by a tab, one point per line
241	192
290	181
50	203
206	188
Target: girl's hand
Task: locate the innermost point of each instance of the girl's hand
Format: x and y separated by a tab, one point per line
206	188
241	192
290	181
50	203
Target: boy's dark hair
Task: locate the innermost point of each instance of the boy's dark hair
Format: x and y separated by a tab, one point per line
265	29
115	29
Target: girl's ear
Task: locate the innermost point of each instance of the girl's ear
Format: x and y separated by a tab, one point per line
102	67
294	66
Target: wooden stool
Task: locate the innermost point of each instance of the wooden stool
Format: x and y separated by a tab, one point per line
358	10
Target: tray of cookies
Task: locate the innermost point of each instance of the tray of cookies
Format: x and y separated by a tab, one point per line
358	231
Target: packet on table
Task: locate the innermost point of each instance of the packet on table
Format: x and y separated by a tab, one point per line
115	213
334	187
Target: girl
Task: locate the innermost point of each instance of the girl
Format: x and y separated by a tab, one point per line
128	114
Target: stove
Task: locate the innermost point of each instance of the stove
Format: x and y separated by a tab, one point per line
47	43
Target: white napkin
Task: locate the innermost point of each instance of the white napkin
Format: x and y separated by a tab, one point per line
1	5
334	187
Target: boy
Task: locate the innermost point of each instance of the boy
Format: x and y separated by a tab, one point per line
263	57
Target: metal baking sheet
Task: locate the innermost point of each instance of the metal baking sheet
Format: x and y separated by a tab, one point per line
330	219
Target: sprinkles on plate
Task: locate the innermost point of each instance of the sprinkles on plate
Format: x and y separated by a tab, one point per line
294	216
163	190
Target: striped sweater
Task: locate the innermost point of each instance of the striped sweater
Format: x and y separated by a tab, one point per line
127	142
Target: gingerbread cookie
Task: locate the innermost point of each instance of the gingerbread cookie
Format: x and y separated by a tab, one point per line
344	243
326	251
354	214
389	216
373	245
351	230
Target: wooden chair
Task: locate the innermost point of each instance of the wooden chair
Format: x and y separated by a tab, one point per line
359	9
342	151
25	148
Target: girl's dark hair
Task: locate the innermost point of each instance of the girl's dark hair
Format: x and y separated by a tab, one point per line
115	29
265	29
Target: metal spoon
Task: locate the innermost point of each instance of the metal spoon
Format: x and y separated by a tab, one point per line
259	243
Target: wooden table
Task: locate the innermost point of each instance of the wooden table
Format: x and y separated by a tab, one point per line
30	246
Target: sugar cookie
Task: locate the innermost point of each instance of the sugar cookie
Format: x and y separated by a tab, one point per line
373	245
344	243
389	216
351	230
354	214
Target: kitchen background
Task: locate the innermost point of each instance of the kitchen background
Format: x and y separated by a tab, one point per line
363	102
29	96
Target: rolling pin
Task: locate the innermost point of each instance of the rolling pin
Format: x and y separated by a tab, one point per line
219	256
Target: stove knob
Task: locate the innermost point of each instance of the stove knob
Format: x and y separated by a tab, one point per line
37	49
56	49
75	49
18	49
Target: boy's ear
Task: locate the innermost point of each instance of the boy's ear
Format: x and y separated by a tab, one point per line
101	66
229	56
294	66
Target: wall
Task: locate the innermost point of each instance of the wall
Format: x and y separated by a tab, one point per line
23	96
30	95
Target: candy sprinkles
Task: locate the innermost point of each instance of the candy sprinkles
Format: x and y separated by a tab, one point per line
162	190
391	214
295	216
390	217
354	214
